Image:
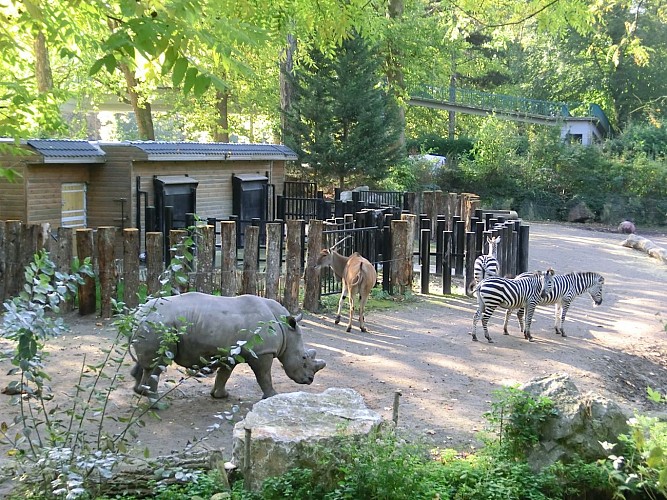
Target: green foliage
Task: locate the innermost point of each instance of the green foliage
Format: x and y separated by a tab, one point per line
70	445
639	466
517	417
531	170
27	321
385	466
343	124
647	138
437	145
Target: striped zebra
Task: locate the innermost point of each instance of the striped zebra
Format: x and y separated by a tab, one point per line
565	289
523	294
485	265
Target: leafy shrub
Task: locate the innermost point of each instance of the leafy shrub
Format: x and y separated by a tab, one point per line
517	417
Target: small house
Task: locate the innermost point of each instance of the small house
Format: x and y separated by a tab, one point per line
91	184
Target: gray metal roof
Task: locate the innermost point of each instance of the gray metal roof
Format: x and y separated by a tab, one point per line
67	151
184	151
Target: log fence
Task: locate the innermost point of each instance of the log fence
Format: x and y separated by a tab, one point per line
277	269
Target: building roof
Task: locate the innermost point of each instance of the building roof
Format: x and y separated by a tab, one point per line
188	151
67	151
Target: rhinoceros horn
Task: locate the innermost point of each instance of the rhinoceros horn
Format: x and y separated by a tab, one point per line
317	364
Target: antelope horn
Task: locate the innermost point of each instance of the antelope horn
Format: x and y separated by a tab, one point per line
339	242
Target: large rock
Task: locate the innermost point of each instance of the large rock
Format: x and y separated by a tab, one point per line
580	213
287	429
582	423
627	227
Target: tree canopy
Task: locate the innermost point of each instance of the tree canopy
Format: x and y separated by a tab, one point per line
216	64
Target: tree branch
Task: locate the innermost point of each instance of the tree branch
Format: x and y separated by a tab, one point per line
508	23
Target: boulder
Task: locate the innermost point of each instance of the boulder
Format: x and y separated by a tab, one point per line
347	195
583	421
287	430
626	227
646	245
580	213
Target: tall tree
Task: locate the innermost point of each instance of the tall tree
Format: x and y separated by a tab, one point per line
343	123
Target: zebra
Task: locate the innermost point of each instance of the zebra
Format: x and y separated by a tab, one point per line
566	287
485	265
523	294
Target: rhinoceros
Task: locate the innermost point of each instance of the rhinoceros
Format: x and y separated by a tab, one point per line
205	324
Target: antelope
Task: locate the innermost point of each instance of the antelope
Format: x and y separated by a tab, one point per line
358	276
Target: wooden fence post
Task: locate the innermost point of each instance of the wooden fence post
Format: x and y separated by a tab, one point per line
401	270
274	234
87	292
429	208
293	264
250	254
3	259
106	244
412	228
425	258
452	206
13	269
524	237
131	249
228	258
177	249
28	246
205	259
63	259
311	299
470	258
446	262
154	261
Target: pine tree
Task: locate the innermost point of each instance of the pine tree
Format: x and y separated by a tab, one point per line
342	122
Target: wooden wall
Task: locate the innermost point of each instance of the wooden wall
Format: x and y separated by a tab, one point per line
12	194
109	182
214	191
36	197
44	190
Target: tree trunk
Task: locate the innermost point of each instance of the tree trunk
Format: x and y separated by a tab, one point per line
142	111
42	64
222	129
394	70
286	90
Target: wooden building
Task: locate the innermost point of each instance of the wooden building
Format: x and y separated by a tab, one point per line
92	184
52	183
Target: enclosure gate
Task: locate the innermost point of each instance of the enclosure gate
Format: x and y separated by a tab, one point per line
302	200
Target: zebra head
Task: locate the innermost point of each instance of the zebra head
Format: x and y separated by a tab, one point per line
493	245
546	282
596	289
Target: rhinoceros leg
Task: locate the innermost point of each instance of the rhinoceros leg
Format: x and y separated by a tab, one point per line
145	380
261	366
221	378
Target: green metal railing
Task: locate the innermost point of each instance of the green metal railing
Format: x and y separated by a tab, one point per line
507	104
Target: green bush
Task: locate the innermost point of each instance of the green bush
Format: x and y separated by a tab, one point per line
531	170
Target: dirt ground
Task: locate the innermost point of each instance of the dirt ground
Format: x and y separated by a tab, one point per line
423	348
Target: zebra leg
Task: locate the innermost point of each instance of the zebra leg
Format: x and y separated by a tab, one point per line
564	307
475	319
558	314
530	310
485	321
508	314
520	315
